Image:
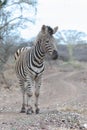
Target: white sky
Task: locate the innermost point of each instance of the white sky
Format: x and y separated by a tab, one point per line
67	14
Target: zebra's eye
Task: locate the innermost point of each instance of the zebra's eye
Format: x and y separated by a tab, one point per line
47	41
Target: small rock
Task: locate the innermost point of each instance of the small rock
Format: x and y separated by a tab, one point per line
4	123
85	126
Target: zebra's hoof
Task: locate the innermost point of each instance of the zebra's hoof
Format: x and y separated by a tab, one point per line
22	110
37	111
29	111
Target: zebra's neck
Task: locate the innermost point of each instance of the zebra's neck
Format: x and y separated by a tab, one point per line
37	56
38	53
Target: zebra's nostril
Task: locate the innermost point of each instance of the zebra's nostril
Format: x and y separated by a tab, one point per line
54	55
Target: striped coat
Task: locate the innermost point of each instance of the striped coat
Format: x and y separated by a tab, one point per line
30	65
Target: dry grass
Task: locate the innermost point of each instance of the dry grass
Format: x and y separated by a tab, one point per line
74	110
65	129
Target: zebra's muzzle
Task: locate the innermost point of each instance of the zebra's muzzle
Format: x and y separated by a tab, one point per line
55	55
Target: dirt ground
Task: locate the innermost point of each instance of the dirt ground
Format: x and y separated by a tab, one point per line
63	99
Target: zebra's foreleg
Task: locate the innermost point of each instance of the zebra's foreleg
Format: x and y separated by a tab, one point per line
23	95
37	91
29	102
29	94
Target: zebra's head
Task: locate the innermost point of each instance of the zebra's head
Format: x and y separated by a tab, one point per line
48	41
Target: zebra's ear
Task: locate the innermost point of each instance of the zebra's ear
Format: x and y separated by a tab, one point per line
43	28
55	29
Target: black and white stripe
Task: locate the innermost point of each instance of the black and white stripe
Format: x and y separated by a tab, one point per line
30	64
19	51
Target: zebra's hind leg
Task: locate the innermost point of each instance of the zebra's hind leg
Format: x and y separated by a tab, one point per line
37	89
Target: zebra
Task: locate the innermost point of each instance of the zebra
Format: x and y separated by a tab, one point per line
19	51
30	66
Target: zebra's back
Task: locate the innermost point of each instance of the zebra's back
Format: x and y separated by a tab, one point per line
19	51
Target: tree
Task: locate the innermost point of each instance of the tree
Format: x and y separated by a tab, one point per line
71	38
2	3
14	16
